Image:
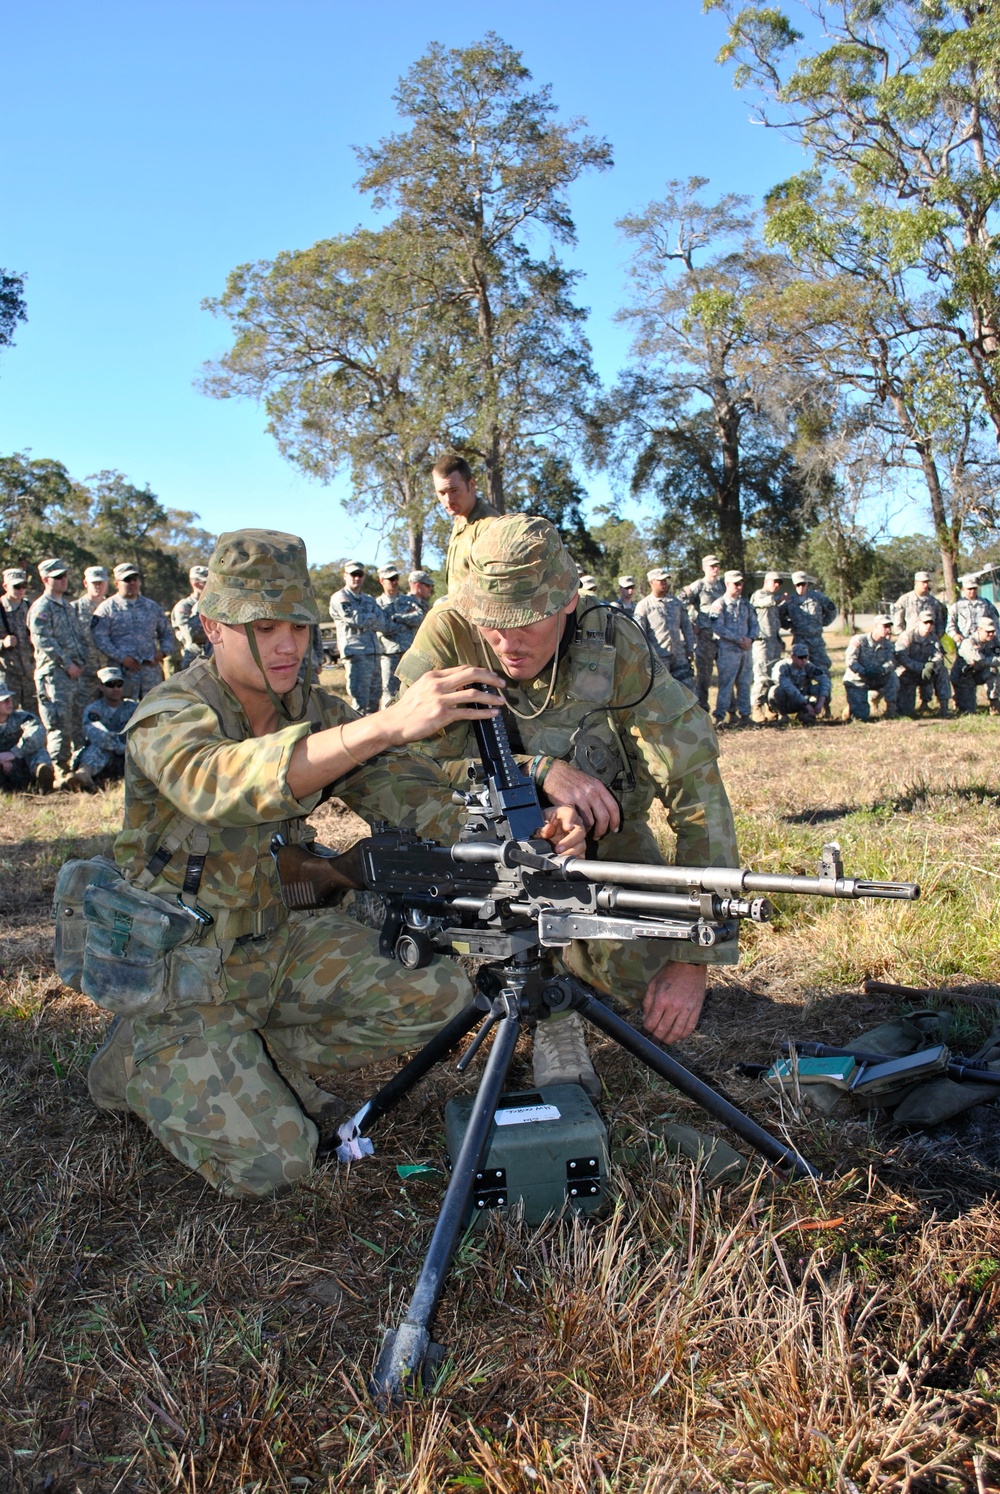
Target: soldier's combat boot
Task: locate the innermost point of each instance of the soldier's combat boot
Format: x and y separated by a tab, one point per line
891	710
111	1068
321	1105
561	1056
995	707
45	778
845	714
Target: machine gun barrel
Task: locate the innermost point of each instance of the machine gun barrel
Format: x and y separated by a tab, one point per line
727	881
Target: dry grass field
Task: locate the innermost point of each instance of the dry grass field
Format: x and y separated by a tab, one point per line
835	1336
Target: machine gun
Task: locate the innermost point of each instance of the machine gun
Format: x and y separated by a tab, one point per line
500	893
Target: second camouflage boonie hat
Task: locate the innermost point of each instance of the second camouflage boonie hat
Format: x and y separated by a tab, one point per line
258	574
519	572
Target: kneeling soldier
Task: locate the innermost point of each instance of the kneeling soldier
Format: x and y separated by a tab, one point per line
920	666
104	723
800	688
23	758
977	663
219	759
870	672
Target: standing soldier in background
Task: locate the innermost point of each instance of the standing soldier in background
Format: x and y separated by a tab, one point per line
455	487
920	665
700	595
977	663
95	589
965	615
870	671
625	601
358	617
185	621
799	687
906	609
767	647
806	612
421	590
60	659
23	756
401	617
664	620
734	623
588	586
17	657
133	632
104	721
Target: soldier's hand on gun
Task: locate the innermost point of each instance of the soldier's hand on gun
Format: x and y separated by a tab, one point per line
567	832
438	699
596	805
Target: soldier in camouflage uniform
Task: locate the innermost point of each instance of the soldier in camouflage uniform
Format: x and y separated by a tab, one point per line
95	589
104	723
734	623
700	595
23	758
805	612
60	659
219	759
906	609
588	724
767	646
133	632
17	657
977	663
185	621
965	615
358	618
401	617
799	687
870	672
664	620
920	665
455	488
625	601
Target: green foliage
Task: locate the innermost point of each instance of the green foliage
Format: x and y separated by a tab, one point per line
13	308
550	488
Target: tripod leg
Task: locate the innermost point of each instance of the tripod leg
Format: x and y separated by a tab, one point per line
348	1134
406	1348
653	1056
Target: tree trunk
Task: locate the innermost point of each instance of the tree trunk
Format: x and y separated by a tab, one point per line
728	495
415	538
944	532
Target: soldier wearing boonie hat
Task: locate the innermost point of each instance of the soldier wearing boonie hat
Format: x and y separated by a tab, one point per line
699	596
594	729
17	657
185	620
805	612
133	632
60	659
920	665
401	617
907	608
213	769
664	620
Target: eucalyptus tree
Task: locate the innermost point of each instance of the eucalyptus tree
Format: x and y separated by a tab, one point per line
13	307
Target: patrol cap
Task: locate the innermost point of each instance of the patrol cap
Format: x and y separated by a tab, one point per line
800	650
626	581
969	581
882	618
925	615
15	577
588	586
519	572
352	566
52	567
257	574
111	676
710	560
921	576
422	576
732	576
800	578
95	573
198	573
126	571
388	572
658	574
772	575
6	693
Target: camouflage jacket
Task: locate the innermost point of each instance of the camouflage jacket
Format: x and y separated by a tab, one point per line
800	683
868	662
23	734
56	635
104	725
463	532
767	605
662	746
401	617
132	628
666	624
14	623
906	612
978	658
192	766
807	616
965	615
358	617
913	651
732	619
186	623
700	595
85	607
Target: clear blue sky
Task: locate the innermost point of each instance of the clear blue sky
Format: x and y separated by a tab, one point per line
150	147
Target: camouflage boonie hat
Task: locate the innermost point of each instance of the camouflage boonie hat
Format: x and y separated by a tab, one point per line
519	572
257	574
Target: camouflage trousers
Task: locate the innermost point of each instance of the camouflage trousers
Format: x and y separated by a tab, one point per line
86	691
139	682
18	679
21	771
57	695
97	761
909	683
706	651
861	698
390	683
734	680
765	653
315	997
363	677
967	682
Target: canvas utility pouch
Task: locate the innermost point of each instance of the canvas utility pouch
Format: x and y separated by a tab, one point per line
138	959
67	912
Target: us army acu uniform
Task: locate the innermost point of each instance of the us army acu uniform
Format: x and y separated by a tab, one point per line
104	724
401	617
463	534
906	609
796	684
358	617
733	619
965	615
22	736
767	646
84	607
976	663
133	628
700	595
666	624
661	747
17	657
806	616
58	643
186	622
216	1075
920	665
870	672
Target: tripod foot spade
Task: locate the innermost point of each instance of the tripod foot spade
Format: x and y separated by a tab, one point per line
407	1364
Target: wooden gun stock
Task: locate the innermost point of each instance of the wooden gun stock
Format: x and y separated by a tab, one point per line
313	878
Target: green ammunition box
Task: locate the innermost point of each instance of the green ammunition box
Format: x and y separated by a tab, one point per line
547	1150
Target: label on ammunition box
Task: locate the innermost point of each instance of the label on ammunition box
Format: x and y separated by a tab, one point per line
523	1115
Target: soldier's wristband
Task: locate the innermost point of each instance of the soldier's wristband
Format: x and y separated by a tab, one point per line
539	769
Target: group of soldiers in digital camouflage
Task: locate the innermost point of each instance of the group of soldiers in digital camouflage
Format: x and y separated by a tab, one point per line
252	1016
